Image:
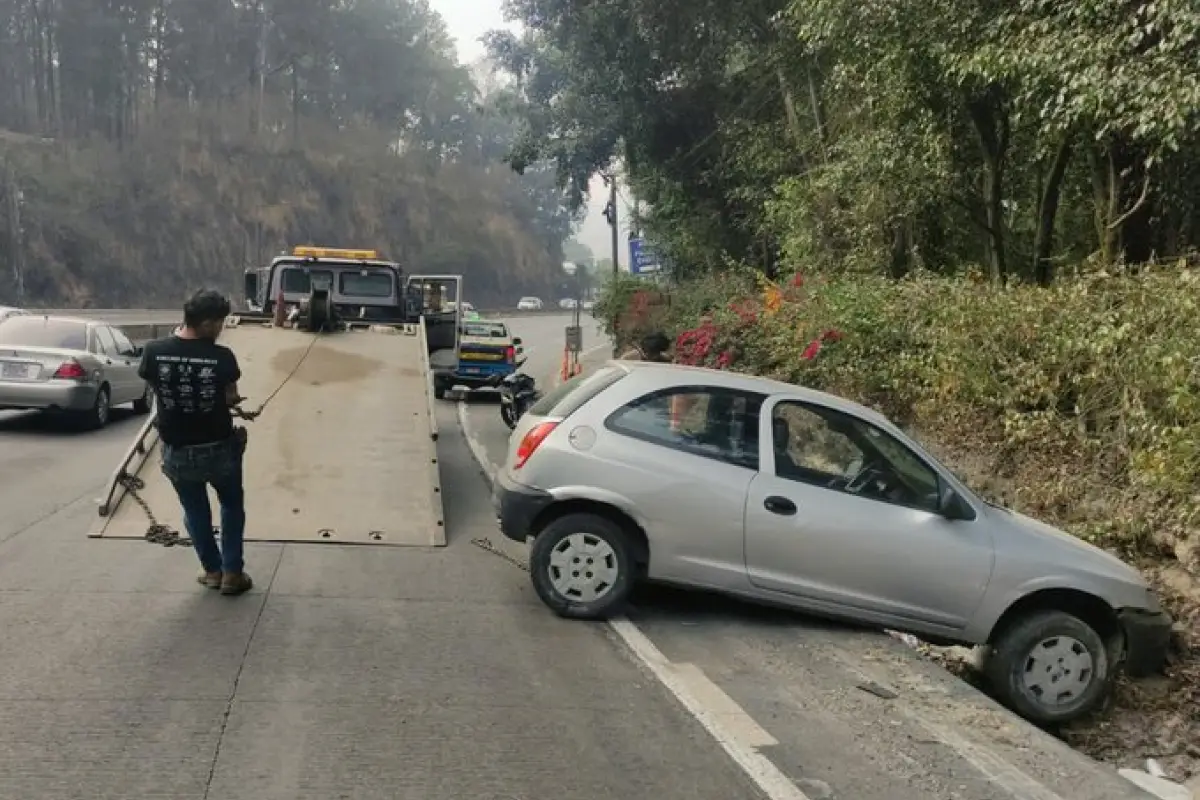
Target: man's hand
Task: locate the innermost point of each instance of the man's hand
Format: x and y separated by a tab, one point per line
232	397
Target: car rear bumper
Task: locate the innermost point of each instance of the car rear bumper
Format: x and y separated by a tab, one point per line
47	396
517	506
1147	637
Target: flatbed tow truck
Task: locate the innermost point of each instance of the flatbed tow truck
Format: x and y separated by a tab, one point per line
338	354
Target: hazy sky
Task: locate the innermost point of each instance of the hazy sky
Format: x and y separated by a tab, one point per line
467	21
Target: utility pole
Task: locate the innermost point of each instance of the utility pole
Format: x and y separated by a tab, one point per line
610	213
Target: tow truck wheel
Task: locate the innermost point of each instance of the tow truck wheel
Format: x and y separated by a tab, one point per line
582	567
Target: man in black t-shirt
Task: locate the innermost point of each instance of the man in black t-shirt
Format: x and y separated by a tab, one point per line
195	386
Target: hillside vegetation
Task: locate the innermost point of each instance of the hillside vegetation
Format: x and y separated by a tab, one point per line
934	208
147	148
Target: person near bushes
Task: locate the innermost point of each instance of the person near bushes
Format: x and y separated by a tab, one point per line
651	347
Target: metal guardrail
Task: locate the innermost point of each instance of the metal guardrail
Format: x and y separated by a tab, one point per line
172	316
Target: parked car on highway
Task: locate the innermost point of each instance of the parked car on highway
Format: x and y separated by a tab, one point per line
78	367
793	497
10	311
529	304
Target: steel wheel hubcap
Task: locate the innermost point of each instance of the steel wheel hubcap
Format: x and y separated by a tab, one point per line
583	567
1058	670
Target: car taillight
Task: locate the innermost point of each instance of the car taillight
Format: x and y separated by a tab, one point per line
510	353
532	441
71	370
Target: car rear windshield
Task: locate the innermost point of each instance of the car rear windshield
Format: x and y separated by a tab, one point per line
565	400
41	332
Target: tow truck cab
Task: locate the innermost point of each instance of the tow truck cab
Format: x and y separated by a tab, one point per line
361	287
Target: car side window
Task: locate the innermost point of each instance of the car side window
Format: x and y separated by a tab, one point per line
838	451
710	422
104	337
124	346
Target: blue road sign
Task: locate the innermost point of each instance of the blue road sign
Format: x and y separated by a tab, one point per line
642	258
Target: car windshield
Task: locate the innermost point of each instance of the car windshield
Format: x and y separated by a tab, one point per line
30	331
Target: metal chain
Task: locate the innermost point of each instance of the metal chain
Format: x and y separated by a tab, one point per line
156	532
485	544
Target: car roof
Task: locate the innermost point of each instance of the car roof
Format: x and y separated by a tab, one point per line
750	383
59	318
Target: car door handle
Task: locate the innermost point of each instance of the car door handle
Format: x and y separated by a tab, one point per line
779	505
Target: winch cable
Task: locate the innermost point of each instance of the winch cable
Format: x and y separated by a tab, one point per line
160	533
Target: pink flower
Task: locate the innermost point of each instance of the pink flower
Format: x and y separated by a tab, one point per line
811	351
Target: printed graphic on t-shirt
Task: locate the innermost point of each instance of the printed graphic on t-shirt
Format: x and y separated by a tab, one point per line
187	384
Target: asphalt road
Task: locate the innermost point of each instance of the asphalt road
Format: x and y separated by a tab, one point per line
413	674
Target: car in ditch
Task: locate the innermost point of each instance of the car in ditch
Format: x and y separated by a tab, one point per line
792	497
77	367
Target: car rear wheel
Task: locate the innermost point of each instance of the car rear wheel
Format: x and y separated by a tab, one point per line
1050	667
582	566
144	403
97	417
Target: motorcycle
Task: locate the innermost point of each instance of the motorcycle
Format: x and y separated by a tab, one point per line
518	393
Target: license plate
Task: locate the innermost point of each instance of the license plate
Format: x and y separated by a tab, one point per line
17	371
472	370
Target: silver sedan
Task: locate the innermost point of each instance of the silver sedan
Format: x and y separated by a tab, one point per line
794	497
79	367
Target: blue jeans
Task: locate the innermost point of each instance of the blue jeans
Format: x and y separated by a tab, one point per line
191	471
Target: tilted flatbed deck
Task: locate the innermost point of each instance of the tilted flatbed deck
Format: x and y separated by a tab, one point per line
344	454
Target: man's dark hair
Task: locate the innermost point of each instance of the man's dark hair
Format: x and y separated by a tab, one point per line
206	305
655	345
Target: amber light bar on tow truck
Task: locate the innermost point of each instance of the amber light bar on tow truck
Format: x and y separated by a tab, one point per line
308	251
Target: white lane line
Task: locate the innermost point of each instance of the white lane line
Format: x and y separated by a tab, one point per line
478	452
723	727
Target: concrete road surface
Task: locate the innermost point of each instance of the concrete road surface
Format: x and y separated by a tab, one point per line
355	672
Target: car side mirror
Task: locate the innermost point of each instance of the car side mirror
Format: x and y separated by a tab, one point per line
516	340
952	506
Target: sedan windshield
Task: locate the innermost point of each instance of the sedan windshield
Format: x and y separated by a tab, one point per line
31	331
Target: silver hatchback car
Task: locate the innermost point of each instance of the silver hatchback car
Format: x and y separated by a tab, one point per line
78	367
793	497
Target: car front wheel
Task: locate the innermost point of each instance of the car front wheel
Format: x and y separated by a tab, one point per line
582	566
1050	667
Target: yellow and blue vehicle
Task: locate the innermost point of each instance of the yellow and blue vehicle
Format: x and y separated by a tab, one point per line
487	352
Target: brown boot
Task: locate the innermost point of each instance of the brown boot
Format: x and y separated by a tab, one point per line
210	579
235	583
